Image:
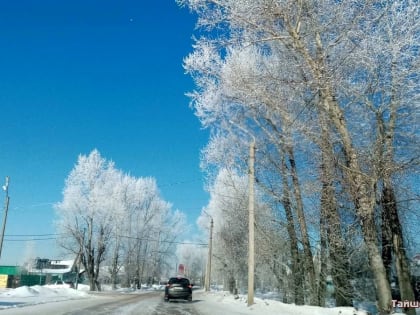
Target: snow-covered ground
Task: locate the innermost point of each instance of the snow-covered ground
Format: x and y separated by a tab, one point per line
25	296
207	303
225	303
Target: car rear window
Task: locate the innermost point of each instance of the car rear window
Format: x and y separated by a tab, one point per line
181	281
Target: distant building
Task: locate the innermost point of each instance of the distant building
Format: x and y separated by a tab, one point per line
53	269
9	276
39	272
49	266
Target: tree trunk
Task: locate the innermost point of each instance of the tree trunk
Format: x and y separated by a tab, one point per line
401	263
297	288
129	253
360	184
383	290
392	229
279	273
308	258
361	188
90	257
323	269
141	267
115	264
114	271
363	193
90	270
337	250
340	274
92	284
386	242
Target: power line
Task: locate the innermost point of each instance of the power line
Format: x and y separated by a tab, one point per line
33	235
31	239
180	182
42	237
23	208
162	241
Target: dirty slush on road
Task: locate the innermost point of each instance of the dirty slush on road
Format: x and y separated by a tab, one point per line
144	304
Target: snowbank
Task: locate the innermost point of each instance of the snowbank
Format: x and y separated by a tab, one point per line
225	303
25	295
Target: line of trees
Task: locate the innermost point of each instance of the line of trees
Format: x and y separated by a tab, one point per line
112	219
330	91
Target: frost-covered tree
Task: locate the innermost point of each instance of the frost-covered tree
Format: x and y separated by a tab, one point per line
342	75
142	203
163	234
193	258
108	215
141	235
228	207
85	213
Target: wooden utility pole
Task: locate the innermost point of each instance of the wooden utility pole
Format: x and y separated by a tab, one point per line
6	208
208	269
251	213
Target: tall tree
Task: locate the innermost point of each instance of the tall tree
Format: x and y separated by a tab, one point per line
395	94
325	43
227	207
85	212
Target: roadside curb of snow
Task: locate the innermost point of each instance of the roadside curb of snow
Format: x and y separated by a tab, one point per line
268	306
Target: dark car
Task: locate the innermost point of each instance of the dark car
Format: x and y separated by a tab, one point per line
178	288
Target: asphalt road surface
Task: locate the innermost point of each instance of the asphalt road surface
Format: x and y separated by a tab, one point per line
113	303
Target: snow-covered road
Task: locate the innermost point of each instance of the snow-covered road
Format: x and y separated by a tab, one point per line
43	301
106	303
134	304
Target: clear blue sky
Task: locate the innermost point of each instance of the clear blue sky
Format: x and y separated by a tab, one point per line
78	75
